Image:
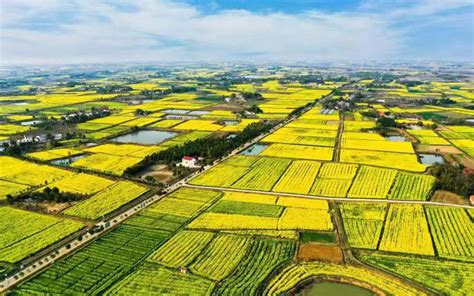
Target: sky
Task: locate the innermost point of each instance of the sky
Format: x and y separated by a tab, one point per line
258	31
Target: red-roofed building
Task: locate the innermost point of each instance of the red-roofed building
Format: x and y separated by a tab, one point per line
188	161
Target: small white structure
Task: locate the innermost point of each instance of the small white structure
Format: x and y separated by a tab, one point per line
188	161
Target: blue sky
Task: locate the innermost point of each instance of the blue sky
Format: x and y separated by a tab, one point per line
114	31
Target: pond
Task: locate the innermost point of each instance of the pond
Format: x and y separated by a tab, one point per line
198	112
254	149
67	161
231	122
396	138
175	111
31	122
430	159
334	289
146	137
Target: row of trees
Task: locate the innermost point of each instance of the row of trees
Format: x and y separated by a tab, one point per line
48	194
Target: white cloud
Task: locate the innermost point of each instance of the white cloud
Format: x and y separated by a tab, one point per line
161	31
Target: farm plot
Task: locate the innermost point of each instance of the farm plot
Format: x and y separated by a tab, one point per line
263	257
445	277
356	126
221	256
299	213
452	231
212	221
362	136
390	146
10	188
403	161
412	186
183	205
182	248
307	219
246	208
151	278
91	270
24	233
298	151
312	124
250	197
330	187
406	231
263	174
84	184
54	154
295	273
466	145
185	137
12	129
107	200
27	173
301	140
116	149
106	163
334	170
372	182
241	160
222	175
198	125
363	223
428	137
299	177
159	221
305	203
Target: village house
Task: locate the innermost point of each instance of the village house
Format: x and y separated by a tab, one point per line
188	161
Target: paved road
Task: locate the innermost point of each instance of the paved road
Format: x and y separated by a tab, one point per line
344	199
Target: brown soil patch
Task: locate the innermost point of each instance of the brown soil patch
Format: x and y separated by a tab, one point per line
438	149
465	161
319	252
448	197
160	172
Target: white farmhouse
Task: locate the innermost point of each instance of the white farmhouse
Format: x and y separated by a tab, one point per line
188	161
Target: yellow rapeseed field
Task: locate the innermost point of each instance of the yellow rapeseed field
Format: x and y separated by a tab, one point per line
308	219
298	178
298	151
406	231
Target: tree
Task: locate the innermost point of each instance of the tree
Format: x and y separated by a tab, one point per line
386	122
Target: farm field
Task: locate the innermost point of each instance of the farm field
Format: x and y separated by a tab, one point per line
298	178
363	223
236	179
452	232
106	200
403	161
446	277
263	175
23	233
106	163
299	152
372	182
406	230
